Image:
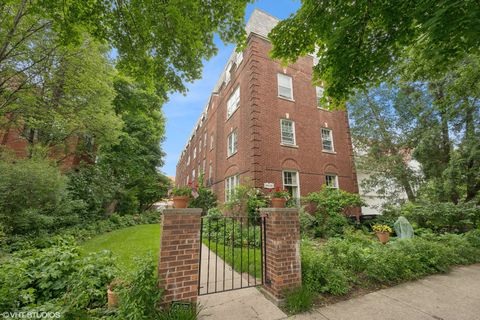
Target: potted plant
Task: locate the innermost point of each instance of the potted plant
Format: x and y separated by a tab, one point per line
279	197
383	232
112	295
181	195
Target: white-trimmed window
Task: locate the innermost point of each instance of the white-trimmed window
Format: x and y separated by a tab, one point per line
200	148
211	141
194	152
188	160
291	183
239	57
193	175
287	128
285	88
232	143
331	180
203	166
199	172
210	171
233	102
205	141
230	184
320	92
327	140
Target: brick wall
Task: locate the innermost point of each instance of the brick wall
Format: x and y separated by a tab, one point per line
283	265
179	254
260	157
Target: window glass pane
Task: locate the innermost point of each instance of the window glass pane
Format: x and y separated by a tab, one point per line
284	86
233	102
288	135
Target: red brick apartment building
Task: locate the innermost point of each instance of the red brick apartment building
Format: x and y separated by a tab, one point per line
263	123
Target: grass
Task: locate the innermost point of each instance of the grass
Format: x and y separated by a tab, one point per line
241	259
127	244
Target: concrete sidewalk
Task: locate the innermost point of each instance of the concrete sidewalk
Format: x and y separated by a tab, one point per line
451	296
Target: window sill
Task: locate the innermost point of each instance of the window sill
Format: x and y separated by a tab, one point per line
285	98
289	145
328	151
323	109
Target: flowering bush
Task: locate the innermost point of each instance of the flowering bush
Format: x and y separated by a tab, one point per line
280	193
381	228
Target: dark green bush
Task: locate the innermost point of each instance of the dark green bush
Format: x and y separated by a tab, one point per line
34	198
443	216
335	266
330	207
55	278
298	300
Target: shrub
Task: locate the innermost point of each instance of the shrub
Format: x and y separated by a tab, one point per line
356	259
33	197
443	216
55	278
298	300
246	200
206	199
330	206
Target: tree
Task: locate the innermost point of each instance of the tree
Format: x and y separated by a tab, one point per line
159	43
383	132
358	42
135	159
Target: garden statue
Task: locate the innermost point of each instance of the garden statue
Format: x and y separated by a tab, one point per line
403	228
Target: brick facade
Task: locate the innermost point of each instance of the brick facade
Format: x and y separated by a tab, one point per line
179	254
68	156
261	157
282	259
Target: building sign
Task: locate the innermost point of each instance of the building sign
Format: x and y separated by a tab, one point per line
269	185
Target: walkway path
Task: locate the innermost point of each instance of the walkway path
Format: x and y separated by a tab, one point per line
240	304
451	296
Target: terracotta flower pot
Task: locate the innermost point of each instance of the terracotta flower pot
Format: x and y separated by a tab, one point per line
278	202
180	202
112	298
383	236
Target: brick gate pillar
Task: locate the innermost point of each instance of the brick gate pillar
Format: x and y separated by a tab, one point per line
282	254
180	254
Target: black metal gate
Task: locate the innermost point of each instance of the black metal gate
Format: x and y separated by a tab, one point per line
231	253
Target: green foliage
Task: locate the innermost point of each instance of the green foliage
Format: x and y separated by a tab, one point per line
55	277
140	296
357	259
33	197
330	206
443	216
246	199
206	199
298	300
357	43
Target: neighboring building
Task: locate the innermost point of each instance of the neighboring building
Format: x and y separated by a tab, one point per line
73	151
263	123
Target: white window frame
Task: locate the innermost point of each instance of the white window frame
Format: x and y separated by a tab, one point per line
233	102
285	77
205	141
200	148
194	152
230	183
210	169
212	138
193	174
282	141
232	143
330	134
335	180
188	160
203	166
297	197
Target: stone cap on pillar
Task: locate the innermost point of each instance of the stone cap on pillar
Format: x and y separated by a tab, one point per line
182	211
266	210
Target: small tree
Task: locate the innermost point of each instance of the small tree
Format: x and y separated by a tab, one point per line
330	206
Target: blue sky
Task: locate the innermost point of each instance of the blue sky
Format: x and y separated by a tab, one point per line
182	112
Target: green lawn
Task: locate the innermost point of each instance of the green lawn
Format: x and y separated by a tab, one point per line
128	243
241	259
